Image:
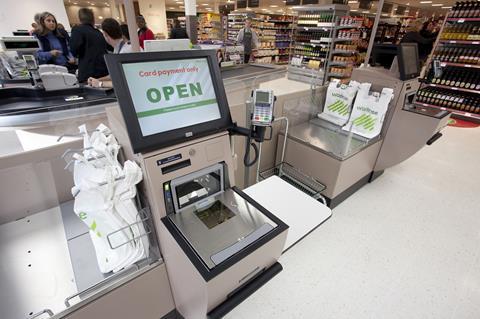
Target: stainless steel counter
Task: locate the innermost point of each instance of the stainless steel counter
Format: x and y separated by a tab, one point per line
329	139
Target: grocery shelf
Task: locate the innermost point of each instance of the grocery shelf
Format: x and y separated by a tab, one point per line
348	27
453	88
461	65
341	63
463	19
345	39
459	41
468	115
344	52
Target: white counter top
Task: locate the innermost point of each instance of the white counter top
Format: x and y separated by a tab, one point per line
299	211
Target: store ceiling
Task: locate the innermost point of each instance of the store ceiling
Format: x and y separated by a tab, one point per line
278	6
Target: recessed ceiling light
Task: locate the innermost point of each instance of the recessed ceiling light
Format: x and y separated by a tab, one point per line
171	8
437	4
353	1
100	17
423	2
354	10
273	6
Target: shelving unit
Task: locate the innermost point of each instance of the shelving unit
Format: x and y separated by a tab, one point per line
452	77
209	27
313	41
343	56
275	37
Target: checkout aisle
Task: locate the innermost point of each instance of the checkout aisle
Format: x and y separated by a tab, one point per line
405	246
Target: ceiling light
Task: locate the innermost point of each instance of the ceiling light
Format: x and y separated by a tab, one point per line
446	7
171	8
204	4
352	1
273	6
437	4
365	11
354	10
423	2
385	14
264	9
100	17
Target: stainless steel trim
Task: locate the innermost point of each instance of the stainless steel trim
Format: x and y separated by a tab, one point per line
38	314
186	178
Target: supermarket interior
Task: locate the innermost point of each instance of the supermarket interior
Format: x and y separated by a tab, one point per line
239	159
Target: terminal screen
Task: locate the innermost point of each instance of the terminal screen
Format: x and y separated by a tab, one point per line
172	94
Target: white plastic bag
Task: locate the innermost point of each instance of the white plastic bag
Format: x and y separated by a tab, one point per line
104	201
369	111
338	103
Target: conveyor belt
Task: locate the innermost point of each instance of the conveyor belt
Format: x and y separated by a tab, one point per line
249	70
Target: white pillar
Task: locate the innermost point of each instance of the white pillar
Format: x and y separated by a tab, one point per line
114	10
132	25
155	15
191	19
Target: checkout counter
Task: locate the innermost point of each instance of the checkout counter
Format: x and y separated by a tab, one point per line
211	244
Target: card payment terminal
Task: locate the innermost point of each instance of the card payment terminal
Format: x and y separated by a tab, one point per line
262	107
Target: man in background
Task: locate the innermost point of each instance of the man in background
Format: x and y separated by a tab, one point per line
248	38
89	46
144	33
177	31
113	35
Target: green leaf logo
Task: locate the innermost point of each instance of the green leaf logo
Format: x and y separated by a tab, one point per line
338	107
365	121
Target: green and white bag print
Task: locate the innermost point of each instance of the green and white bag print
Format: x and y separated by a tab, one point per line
338	104
369	111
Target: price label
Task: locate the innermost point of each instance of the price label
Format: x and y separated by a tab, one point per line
467	65
454	88
475	42
468	114
461	21
443	109
452	41
443	64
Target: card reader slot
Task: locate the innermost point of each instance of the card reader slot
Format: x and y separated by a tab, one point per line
176	166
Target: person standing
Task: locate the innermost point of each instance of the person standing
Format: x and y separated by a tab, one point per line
248	38
89	46
413	36
177	31
144	33
53	44
113	35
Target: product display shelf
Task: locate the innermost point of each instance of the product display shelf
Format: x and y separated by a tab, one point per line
312	42
452	77
209	27
235	23
275	37
460	113
343	56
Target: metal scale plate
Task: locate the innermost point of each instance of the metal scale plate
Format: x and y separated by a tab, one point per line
219	225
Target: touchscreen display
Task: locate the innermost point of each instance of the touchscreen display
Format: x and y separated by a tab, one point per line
262	97
168	95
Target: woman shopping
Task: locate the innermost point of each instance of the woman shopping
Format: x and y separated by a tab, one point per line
53	44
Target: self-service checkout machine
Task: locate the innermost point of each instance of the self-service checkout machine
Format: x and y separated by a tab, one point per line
218	243
344	161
